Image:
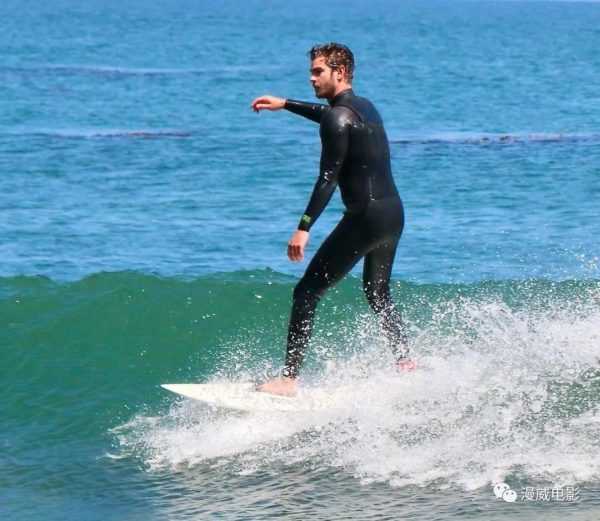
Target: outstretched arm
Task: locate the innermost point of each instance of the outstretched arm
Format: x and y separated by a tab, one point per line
312	111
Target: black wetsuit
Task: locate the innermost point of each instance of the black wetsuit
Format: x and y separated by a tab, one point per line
355	154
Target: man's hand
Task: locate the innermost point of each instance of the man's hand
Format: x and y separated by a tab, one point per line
296	245
268	103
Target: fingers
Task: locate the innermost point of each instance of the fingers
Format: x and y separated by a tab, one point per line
295	252
261	103
267	103
296	245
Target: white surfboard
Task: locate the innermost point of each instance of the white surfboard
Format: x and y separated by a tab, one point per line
244	397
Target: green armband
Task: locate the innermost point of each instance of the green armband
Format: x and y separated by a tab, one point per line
305	222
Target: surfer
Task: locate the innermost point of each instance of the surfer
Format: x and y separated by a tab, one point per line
355	155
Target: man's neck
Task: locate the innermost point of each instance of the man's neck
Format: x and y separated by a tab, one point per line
342	87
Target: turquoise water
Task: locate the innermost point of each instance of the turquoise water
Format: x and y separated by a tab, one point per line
146	211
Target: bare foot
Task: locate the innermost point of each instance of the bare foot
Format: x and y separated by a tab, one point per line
405	365
282	386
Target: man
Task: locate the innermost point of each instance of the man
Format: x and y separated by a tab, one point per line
355	155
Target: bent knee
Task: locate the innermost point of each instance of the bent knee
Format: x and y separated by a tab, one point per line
304	291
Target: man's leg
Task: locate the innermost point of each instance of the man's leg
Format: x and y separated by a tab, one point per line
376	284
338	254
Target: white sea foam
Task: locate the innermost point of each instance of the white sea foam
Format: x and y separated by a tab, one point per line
498	392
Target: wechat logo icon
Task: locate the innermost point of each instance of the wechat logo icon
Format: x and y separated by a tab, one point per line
503	491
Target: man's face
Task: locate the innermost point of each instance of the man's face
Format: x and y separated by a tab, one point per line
324	79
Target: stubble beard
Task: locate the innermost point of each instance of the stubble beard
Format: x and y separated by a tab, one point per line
322	93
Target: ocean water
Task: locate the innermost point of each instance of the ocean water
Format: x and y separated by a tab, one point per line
145	211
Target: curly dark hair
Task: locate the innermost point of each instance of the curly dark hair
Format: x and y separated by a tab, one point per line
336	55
